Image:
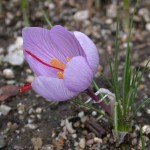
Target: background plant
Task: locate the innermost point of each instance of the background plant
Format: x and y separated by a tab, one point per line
24	8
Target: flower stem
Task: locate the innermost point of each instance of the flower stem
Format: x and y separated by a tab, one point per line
102	104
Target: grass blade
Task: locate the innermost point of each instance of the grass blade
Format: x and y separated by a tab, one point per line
47	19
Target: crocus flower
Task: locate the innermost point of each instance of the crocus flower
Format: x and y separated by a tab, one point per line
64	62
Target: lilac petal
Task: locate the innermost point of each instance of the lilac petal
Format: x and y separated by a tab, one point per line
40	69
90	50
47	44
65	43
35	41
52	88
78	74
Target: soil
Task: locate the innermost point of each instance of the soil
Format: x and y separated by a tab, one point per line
33	122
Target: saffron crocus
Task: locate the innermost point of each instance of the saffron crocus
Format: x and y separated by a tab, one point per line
64	62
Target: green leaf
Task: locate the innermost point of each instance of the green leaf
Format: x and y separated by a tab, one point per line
47	19
142	139
141	105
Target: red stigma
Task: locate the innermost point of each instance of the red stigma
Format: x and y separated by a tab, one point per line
25	87
38	59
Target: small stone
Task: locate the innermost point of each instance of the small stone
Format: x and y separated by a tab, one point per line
90	142
8	73
1	50
134	134
74	135
84	119
81	15
109	21
31	110
30	121
85	132
148	111
69	126
29	79
146	129
2	142
15	54
77	124
20	112
10	82
39	116
111	140
31	126
147	26
62	123
139	114
134	142
76	143
82	143
37	143
143	12
5	109
97	140
94	113
112	11
81	114
38	110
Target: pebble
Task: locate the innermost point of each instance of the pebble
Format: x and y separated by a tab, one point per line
94	113
69	127
77	124
82	143
15	53
112	11
109	21
134	142
10	82
31	126
29	79
139	114
1	50
85	132
5	109
90	142
8	73
2	142
39	116
97	140
74	135
148	111
81	114
81	15
143	12
134	134
146	129
147	26
62	123
38	110
30	121
84	119
31	110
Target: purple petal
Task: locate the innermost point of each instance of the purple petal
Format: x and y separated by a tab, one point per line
52	88
78	75
65	43
47	44
40	69
89	49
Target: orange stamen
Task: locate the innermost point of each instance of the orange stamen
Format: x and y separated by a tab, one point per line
60	75
56	63
68	59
